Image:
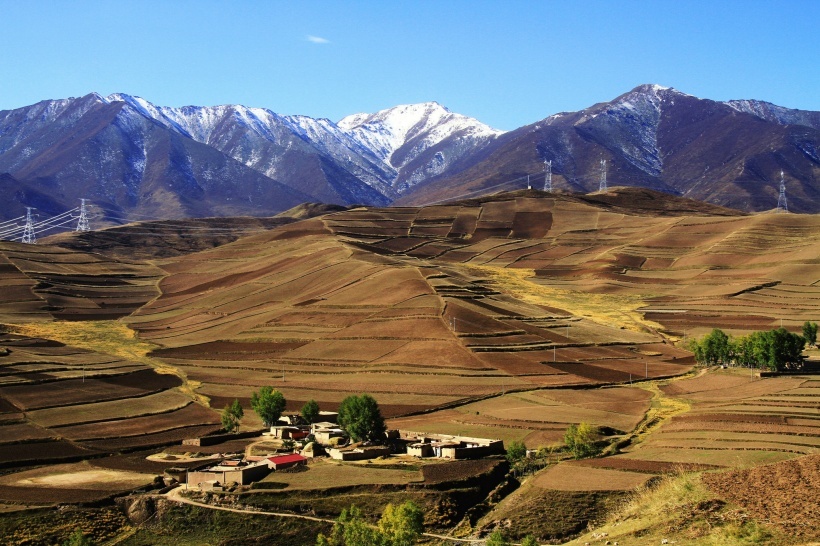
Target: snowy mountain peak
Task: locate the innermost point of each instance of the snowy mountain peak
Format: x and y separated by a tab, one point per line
424	125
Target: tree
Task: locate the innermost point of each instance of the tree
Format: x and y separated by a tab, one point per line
231	416
398	526
310	411
496	539
268	404
516	451
361	418
77	538
401	525
786	349
810	333
580	440
529	540
350	530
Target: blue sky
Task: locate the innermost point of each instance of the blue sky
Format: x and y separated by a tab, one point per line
505	62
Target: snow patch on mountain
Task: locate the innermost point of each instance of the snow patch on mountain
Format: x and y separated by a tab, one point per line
777	114
630	123
428	123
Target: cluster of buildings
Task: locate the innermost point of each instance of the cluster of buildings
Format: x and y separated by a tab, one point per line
329	439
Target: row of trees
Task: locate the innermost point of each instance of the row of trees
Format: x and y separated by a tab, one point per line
776	349
399	526
359	416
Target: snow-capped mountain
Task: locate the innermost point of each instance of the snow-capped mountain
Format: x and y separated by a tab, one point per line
273	144
777	114
729	154
131	157
418	140
126	163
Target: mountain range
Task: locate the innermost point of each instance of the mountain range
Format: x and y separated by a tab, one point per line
135	160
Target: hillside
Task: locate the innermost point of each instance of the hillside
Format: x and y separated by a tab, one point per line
658	138
508	316
523	289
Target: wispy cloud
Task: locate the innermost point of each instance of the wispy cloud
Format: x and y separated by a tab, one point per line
317	39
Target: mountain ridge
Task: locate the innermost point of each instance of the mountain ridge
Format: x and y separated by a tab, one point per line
130	156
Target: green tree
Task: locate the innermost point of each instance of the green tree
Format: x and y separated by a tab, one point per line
810	333
77	538
580	440
786	349
310	411
231	416
401	525
361	418
516	451
350	529
268	404
496	539
398	526
529	540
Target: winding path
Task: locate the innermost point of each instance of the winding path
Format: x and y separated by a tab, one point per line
175	495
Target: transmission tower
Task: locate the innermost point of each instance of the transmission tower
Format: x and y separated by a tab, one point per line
782	204
602	184
82	222
28	231
548	175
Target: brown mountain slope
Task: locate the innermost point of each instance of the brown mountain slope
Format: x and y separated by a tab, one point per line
423	307
651	137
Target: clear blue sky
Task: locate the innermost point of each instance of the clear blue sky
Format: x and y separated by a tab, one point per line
505	62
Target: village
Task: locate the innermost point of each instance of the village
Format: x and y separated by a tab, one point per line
292	443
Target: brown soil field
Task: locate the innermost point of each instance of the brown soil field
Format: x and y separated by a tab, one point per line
783	493
161	402
79	391
637	465
567	477
192	414
156	439
41	452
76	476
457	470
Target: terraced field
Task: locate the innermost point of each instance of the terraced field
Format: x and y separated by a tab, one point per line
513	316
59	403
43	282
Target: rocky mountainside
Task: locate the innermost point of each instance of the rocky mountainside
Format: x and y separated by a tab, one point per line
419	141
135	160
729	154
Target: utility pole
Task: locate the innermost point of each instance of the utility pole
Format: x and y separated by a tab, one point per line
28	231
782	205
548	175
529	186
82	222
602	183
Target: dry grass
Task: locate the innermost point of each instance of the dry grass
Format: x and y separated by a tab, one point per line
619	311
107	337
